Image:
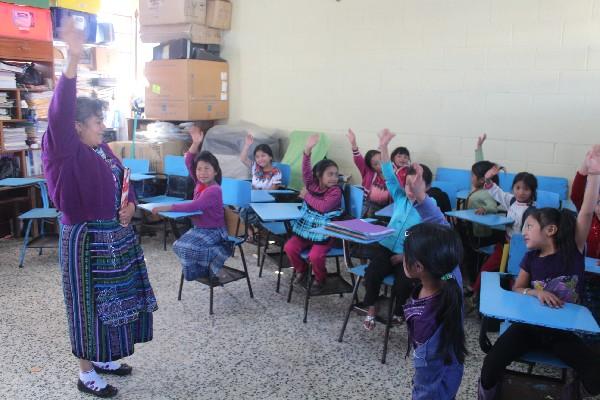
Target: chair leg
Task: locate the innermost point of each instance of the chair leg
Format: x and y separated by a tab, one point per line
258	245
337	267
25	243
261	262
352	302
291	288
165	235
210	311
279	269
246	271
308	288
388	325
180	287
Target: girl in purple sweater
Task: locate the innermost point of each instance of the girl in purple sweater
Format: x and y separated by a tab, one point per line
322	200
203	249
108	297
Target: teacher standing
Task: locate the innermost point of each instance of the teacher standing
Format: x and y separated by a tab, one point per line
108	297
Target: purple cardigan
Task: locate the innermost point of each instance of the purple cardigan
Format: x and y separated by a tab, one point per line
80	183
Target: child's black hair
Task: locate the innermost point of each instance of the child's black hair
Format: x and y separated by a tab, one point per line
369	156
210	158
265	148
530	181
88	107
566	224
320	168
427	174
400	150
481	167
439	250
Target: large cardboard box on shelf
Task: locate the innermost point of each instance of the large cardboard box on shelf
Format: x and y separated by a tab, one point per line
218	14
181	90
194	32
155	152
160	12
104	59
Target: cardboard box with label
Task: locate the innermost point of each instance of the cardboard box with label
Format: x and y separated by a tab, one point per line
200	91
105	59
218	14
195	33
155	152
159	12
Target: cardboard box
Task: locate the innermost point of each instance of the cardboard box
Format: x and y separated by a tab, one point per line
159	12
199	92
105	59
218	14
193	32
155	152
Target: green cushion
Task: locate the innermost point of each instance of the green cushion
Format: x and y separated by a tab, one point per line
295	150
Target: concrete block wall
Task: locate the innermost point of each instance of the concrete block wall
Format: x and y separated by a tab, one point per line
436	72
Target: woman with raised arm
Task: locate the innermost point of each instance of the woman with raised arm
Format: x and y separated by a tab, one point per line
108	297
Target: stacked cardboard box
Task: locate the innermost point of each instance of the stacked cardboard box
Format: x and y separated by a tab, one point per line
187	78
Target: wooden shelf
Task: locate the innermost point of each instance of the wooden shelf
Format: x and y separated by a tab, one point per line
13	120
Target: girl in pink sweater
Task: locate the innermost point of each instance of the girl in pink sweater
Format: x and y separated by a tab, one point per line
203	249
322	200
377	194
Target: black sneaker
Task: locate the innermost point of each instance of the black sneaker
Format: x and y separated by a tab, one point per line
317	286
108	391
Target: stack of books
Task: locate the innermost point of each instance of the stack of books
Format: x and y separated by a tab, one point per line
359	229
14	138
39	102
6	106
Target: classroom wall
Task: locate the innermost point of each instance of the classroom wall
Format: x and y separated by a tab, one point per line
436	72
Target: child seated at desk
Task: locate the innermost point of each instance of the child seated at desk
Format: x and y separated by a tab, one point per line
434	320
517	204
377	195
322	201
401	161
205	245
553	271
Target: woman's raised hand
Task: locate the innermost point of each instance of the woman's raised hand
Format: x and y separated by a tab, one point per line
73	37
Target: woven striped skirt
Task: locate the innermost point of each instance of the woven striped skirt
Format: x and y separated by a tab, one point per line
201	250
107	293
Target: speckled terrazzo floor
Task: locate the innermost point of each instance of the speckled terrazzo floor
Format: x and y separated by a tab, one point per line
250	349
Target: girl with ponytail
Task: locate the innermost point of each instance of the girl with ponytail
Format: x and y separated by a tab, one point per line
432	253
553	271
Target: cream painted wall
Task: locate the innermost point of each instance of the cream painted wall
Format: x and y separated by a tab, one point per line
436	72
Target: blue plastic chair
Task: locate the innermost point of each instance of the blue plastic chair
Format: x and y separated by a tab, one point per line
506	180
554	184
286	173
547	199
460	177
137	165
516	252
236	194
43	215
450	188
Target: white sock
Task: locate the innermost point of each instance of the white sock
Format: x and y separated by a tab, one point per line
92	380
112	365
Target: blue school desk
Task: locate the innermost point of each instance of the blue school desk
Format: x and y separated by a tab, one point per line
281	191
462	194
591	265
277	212
137	177
14	182
490	220
386	212
515	307
261	196
169	214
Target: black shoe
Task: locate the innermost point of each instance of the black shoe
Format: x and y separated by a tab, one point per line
300	278
317	287
108	391
123	370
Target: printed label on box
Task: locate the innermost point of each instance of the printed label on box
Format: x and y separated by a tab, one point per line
155	3
223	86
223	76
223	96
155	89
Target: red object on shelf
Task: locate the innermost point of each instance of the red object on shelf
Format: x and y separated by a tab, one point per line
25	22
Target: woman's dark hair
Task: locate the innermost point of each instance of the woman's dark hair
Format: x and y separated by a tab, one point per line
530	181
369	156
566	223
481	167
265	148
209	157
320	168
88	107
439	249
399	150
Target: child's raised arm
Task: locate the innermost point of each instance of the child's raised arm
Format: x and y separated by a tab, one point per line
307	175
479	149
244	155
590	197
497	193
197	137
359	160
391	181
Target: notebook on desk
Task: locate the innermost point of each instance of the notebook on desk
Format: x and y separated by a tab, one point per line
359	229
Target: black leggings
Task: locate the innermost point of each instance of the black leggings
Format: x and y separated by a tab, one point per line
521	338
380	267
